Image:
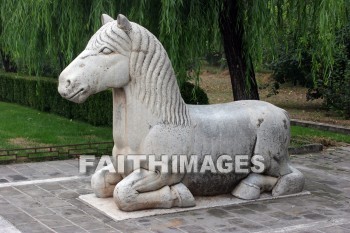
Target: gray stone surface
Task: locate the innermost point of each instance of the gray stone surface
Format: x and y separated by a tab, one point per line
327	209
38	171
108	207
309	148
151	118
7	227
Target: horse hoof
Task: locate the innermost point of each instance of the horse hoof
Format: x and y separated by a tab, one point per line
289	184
246	191
102	183
184	197
251	187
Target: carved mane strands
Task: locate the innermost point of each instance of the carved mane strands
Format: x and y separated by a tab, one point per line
153	78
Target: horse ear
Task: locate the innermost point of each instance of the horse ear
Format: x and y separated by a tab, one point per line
123	23
106	18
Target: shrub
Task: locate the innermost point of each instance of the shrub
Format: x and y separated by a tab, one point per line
287	68
193	94
216	58
41	93
337	91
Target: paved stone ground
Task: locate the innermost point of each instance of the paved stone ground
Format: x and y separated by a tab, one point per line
38	171
53	207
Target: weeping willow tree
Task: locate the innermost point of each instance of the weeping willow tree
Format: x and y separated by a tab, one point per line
251	30
41	35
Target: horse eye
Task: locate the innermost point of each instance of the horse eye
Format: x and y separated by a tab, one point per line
106	51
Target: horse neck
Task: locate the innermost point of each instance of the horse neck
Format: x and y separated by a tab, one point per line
132	120
153	79
160	94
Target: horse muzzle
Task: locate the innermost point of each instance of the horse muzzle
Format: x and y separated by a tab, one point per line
71	90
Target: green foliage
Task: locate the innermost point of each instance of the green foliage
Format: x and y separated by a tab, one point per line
216	58
188	29
305	43
41	94
336	91
288	68
43	36
309	50
38	34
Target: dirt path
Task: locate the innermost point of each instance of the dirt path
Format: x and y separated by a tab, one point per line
217	85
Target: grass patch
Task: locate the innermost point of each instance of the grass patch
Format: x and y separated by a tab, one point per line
318	136
298	142
22	127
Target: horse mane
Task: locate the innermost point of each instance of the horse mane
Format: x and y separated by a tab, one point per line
153	78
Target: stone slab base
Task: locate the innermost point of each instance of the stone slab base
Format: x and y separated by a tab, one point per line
109	208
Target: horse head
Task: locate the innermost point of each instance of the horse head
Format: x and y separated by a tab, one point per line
103	64
123	54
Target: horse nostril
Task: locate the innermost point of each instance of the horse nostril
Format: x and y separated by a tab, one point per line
68	83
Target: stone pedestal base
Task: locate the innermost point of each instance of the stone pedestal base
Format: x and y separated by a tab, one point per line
109	208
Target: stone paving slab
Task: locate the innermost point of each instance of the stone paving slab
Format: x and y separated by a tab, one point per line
38	181
38	170
7	227
54	206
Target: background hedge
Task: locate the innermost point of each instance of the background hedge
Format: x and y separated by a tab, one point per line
41	93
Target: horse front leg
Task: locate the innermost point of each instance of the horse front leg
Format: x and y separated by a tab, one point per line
103	182
144	189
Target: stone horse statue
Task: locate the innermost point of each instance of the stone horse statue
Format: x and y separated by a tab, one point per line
150	117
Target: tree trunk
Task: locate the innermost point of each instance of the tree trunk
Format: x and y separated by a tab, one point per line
9	66
243	80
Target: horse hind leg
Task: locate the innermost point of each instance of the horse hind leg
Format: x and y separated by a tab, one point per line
290	180
279	177
289	184
252	186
